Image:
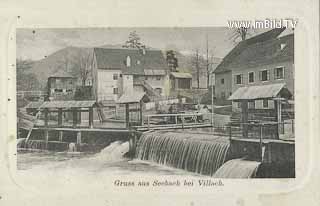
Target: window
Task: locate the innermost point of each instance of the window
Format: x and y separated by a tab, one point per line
251	77
58	90
158	77
223	95
115	76
238	79
70	82
251	104
265	103
146	77
264	75
279	73
222	81
115	91
120	75
239	104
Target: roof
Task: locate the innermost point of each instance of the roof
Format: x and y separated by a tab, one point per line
132	97
61	73
67	104
115	58
260	92
34	105
181	75
263	48
154	72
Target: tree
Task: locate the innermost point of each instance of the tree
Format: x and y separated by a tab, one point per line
133	41
82	66
198	63
172	61
26	80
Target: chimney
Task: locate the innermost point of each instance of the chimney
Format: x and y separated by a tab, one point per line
128	61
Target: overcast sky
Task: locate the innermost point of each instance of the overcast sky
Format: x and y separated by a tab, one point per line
36	43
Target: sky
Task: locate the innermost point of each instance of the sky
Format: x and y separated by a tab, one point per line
37	43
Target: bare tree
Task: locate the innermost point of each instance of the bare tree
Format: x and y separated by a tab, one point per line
240	34
82	67
198	63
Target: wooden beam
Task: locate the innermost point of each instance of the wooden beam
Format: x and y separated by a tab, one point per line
46	119
127	116
141	112
91	117
74	117
60	117
244	118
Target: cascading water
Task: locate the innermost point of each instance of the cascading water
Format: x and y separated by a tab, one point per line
113	152
237	168
202	154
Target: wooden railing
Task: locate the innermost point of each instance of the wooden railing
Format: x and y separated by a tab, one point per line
172	121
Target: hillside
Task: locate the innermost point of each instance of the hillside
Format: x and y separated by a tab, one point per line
68	59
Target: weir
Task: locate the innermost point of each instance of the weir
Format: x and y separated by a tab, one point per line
202	154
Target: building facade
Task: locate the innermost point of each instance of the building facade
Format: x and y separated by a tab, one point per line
262	60
121	70
61	86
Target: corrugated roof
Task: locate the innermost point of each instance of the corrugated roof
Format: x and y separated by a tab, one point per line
67	104
155	72
181	75
61	73
115	58
132	97
259	92
263	48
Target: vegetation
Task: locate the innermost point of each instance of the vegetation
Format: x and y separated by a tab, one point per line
26	81
134	41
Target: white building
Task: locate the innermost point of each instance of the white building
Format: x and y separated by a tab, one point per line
121	70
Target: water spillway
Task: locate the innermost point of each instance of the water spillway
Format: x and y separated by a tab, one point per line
238	168
200	153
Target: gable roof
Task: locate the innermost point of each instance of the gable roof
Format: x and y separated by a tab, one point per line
115	58
61	73
260	92
255	49
181	75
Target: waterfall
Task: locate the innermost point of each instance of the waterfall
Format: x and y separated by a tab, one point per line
113	152
202	153
237	168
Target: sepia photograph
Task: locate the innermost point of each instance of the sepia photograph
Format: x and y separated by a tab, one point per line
204	102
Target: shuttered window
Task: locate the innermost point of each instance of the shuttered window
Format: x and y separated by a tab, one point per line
251	77
238	79
279	73
264	75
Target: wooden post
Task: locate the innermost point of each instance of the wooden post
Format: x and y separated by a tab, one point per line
260	142
182	118
244	118
141	113
74	117
79	116
176	117
79	137
46	119
46	138
127	115
230	133
91	117
60	117
60	136
148	119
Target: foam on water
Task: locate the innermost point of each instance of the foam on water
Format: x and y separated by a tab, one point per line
237	168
